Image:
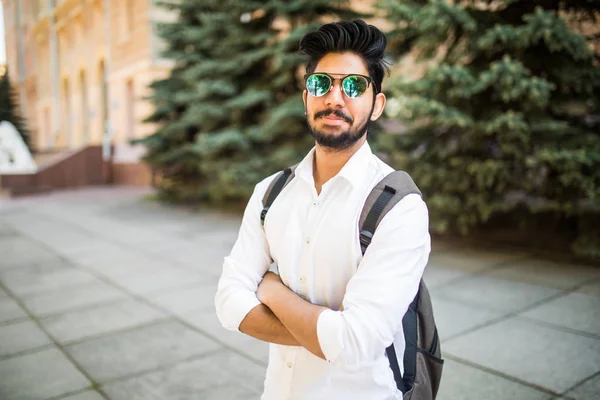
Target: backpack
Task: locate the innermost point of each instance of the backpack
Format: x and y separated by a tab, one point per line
422	356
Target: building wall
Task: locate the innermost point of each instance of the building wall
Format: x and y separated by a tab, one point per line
81	66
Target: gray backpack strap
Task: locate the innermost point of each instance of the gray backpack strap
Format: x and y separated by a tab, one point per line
385	195
276	186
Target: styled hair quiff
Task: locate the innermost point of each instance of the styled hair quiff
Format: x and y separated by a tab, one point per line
357	37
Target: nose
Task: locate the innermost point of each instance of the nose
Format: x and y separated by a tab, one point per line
335	96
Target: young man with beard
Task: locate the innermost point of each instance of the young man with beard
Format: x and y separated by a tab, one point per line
331	312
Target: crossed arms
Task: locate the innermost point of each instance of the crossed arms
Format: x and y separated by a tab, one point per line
257	303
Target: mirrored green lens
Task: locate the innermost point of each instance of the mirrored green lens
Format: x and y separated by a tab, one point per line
318	84
355	86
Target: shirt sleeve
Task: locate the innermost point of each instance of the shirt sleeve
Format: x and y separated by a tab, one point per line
245	267
379	294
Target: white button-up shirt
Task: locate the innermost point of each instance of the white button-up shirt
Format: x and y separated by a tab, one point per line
314	240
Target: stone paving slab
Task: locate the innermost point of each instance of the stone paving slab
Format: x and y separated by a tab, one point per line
470	260
6	230
460	381
99	320
10	310
105	255
39	376
21	336
546	357
574	311
494	293
49	232
229	392
95	247
159	279
592	288
186	299
587	390
453	317
146	348
38	268
547	273
208	322
201	378
27	281
436	276
89	395
16	251
115	269
75	297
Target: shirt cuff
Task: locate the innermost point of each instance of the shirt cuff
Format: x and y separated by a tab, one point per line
238	308
329	326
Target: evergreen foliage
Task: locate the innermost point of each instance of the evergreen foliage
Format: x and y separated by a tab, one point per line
231	113
9	107
507	120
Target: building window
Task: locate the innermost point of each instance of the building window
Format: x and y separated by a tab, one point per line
67	105
130	98
35	9
47	128
103	97
127	15
85	112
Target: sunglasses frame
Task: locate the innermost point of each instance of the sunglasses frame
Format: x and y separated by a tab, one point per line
333	79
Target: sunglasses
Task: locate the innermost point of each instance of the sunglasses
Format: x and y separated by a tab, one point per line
354	85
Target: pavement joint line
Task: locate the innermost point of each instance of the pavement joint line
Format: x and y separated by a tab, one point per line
499	374
26	352
96	235
475	273
581	382
14	321
558	327
84	307
159	308
52	338
96	336
74	393
159	368
13	267
45	292
505	317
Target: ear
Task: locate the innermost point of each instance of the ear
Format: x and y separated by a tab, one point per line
304	95
378	107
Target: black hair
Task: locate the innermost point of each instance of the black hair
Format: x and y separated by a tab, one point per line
357	37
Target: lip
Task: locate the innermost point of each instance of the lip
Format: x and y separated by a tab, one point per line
331	120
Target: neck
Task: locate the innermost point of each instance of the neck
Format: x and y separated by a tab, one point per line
328	162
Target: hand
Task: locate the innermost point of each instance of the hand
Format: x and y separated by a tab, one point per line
266	287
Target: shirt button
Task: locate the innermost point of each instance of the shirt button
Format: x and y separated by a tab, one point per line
289	364
307	241
302	278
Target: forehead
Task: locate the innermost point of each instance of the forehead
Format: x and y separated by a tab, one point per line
342	63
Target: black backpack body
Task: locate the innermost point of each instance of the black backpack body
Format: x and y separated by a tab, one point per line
422	360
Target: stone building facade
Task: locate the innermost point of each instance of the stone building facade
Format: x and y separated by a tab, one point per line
82	69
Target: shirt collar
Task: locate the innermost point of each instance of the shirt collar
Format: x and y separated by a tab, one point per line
352	171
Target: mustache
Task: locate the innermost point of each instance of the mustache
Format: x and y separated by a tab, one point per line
337	113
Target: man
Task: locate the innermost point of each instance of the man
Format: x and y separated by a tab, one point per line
331	312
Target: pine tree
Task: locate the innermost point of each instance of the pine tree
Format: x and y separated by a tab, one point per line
507	120
170	147
231	110
9	110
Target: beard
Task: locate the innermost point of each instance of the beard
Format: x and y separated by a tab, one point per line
343	140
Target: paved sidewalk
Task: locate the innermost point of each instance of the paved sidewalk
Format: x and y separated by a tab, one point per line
104	295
